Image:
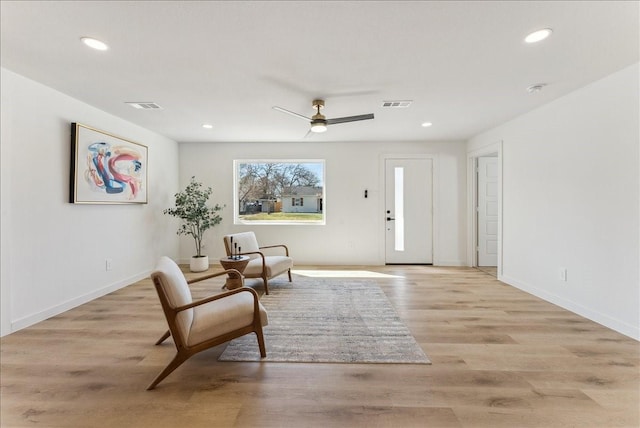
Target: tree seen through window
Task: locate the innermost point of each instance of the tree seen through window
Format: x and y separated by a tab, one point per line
279	192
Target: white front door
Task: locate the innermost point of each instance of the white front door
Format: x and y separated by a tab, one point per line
409	211
487	211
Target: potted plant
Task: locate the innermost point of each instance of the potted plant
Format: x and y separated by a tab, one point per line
191	207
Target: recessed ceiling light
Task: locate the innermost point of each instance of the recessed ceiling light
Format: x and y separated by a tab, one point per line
94	43
539	35
426	124
207	126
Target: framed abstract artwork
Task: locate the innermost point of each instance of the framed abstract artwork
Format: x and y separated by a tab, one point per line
106	169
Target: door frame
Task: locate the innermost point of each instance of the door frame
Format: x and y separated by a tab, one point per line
434	201
472	202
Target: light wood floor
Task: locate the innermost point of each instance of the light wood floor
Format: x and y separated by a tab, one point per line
491	270
501	358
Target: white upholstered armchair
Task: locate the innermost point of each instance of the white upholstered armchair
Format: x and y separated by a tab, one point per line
196	326
261	265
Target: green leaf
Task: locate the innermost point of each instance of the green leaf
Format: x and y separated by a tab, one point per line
191	207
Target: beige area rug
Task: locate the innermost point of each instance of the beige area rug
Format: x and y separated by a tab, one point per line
337	320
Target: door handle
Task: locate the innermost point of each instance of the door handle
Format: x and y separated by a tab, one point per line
389	218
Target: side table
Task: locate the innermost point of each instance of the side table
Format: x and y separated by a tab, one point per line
238	263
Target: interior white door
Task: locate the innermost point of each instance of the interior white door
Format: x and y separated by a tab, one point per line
487	211
409	211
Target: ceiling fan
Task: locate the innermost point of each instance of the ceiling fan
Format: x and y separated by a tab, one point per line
319	122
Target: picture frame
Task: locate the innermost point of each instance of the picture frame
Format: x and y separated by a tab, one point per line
106	169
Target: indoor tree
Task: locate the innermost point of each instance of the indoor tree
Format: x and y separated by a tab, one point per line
196	216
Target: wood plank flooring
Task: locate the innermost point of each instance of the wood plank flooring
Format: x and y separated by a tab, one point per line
501	358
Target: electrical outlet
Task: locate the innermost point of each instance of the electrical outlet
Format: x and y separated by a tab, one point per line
108	264
563	274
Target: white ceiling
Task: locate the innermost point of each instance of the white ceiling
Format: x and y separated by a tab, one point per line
464	64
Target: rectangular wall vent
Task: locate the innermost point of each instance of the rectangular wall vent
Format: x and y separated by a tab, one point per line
144	105
396	104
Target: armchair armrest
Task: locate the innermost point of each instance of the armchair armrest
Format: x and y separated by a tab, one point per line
261	256
212	275
218	297
286	250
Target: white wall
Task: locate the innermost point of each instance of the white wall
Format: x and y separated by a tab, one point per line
53	252
354	230
571	200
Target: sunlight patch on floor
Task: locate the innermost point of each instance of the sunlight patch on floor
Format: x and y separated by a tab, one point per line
342	274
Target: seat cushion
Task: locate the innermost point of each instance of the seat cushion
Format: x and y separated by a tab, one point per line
275	265
222	316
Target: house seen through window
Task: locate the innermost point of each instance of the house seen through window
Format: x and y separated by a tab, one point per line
279	192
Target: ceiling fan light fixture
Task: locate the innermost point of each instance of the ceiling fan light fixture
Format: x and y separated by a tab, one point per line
319	122
318	126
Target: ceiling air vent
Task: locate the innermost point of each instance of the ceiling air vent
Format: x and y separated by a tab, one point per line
396	104
144	105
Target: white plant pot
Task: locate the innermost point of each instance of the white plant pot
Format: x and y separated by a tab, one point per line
199	264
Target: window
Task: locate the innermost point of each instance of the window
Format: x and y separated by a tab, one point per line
279	192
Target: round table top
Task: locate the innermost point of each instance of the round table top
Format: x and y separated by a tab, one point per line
231	259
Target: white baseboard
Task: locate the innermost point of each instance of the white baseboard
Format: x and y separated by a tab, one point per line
593	315
70	304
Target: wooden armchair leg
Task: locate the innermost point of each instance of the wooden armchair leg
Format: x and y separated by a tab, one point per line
263	350
266	285
164	337
290	280
174	364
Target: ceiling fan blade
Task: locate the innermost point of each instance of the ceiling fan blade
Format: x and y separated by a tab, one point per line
349	119
308	119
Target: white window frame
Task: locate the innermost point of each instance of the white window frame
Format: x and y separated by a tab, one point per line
319	167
